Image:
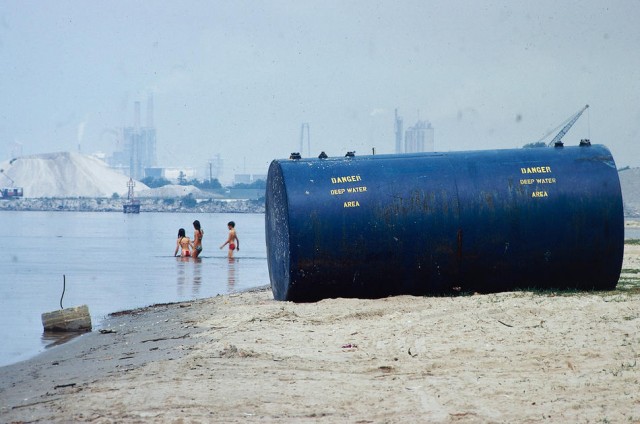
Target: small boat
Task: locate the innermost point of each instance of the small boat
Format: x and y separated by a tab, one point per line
132	205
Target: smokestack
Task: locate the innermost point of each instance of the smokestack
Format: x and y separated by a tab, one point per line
305	126
136	115
150	111
398	131
80	136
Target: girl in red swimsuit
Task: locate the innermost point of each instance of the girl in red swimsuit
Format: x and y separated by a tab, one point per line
183	243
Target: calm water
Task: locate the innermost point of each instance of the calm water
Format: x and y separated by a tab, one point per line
113	262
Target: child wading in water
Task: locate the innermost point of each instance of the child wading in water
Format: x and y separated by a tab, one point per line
183	243
232	240
197	238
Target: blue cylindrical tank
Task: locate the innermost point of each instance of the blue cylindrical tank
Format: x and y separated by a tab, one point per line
430	223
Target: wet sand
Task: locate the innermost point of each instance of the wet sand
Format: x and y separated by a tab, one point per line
506	357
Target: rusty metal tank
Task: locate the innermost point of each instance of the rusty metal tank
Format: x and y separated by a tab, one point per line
435	223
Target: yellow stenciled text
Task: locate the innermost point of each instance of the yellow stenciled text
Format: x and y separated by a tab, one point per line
352	204
339	191
528	181
539	194
536	170
546	180
346	179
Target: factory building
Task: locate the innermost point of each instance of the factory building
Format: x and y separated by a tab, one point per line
417	138
138	145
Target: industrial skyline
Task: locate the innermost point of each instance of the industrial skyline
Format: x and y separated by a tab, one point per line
238	78
135	153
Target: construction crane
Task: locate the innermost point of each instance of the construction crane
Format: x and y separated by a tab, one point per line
8	177
566	126
9	192
557	140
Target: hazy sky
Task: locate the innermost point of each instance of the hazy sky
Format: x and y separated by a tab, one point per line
238	78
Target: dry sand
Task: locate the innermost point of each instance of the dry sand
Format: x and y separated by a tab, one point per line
507	357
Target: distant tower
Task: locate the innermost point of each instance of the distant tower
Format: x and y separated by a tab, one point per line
215	167
136	115
305	126
130	184
398	131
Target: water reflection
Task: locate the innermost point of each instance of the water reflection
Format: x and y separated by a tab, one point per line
189	275
197	275
55	338
231	274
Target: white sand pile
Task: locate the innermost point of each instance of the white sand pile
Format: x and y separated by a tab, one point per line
64	174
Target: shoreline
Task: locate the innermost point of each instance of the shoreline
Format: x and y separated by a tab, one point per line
175	205
504	357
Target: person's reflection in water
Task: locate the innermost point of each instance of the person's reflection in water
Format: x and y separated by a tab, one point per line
182	274
231	274
186	267
197	276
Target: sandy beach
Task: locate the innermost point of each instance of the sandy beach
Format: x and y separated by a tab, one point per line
506	357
